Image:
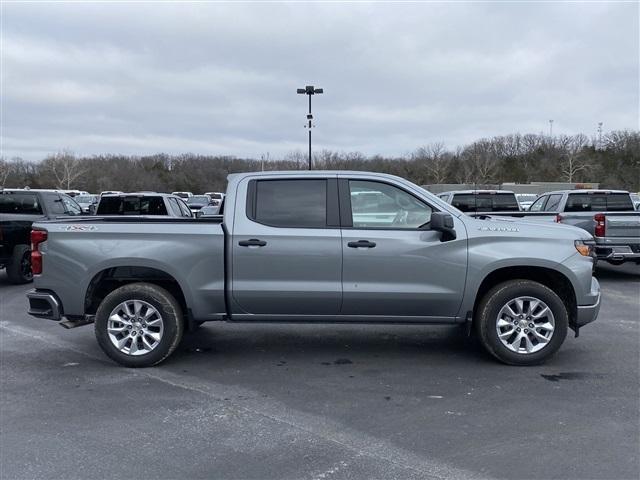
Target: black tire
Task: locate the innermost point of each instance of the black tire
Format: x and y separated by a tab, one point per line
19	266
487	318
166	306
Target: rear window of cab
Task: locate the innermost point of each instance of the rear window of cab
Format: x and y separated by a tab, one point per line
486	202
599	202
131	206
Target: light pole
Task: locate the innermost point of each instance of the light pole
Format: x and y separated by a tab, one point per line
550	128
310	90
599	134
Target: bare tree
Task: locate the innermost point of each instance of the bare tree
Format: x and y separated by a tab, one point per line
482	157
64	167
436	161
4	172
573	161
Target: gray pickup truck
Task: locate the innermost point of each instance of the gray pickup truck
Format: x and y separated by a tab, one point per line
316	247
608	215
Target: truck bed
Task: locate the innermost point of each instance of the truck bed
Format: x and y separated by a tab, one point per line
84	248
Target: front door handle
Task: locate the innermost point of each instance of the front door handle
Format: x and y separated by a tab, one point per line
362	244
252	242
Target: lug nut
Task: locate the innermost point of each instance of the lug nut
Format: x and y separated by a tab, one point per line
133	333
144	325
518	329
526	330
531	325
129	327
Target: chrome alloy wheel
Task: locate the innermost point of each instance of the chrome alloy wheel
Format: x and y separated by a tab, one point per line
525	325
135	327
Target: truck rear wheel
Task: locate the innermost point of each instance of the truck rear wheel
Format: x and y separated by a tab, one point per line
521	322
19	266
139	325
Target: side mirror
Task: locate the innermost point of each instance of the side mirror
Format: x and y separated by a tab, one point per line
443	222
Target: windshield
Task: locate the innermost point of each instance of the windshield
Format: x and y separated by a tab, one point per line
85	198
198	199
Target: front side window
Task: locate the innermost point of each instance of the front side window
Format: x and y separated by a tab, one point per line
186	211
175	208
54	204
291	203
554	203
70	206
379	205
538	205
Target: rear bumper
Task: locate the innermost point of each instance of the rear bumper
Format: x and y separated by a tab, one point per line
588	313
44	304
618	252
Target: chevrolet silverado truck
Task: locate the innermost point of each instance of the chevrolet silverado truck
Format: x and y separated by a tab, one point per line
609	215
315	247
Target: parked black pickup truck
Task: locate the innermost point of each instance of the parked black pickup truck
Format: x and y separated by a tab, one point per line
18	210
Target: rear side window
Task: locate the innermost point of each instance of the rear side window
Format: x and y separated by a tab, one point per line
131	206
599	202
290	203
20	203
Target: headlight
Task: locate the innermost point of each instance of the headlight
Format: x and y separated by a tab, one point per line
584	247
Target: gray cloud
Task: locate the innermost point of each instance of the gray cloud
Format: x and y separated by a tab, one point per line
221	78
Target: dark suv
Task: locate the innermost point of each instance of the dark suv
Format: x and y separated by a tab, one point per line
18	210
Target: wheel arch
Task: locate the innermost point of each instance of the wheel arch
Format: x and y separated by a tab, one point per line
549	277
110	278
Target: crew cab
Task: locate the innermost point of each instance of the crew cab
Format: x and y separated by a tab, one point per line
19	208
300	247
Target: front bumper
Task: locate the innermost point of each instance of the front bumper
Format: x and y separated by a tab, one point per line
44	304
588	313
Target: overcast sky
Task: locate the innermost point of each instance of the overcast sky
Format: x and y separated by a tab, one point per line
141	78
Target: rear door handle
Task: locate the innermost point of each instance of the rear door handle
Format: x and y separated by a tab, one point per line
362	244
252	242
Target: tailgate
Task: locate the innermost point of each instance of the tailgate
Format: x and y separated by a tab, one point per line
623	226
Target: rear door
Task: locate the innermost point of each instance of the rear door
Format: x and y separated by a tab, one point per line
393	267
286	248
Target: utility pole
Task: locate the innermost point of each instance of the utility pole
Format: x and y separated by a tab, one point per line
550	128
309	90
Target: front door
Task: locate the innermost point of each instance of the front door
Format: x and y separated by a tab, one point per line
286	248
393	265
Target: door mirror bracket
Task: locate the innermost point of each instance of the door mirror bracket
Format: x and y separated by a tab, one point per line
443	222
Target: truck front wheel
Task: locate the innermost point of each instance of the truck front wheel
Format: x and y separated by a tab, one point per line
521	322
139	325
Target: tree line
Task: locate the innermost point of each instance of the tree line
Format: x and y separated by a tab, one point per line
612	160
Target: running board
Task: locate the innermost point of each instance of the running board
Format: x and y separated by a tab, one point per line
86	320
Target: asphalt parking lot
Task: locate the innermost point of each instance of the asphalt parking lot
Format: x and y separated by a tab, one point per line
322	402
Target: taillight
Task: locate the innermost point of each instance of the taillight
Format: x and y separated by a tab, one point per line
558	218
601	228
37	237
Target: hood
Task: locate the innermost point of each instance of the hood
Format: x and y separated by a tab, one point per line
514	226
